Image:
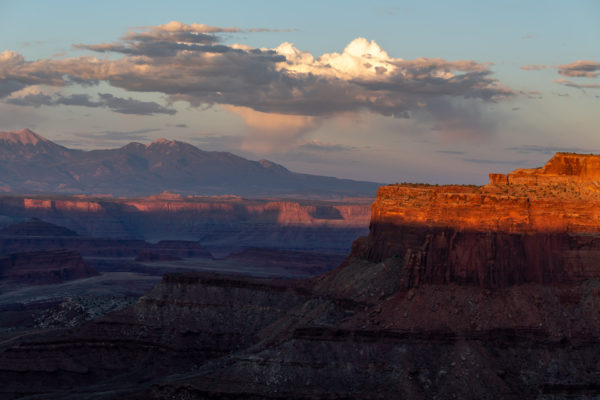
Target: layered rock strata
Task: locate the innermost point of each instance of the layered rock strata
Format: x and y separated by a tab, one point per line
43	267
543	229
454	294
220	222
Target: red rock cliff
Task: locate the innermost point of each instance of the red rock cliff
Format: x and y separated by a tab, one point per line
539	225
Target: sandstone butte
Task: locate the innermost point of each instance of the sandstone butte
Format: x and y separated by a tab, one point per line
539	225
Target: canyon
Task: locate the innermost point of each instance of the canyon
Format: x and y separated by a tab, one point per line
223	224
456	292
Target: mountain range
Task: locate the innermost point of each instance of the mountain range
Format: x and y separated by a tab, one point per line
30	163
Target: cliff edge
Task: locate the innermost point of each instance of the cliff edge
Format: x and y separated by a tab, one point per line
536	225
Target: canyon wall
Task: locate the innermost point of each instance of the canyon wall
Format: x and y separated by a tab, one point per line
228	222
43	267
543	229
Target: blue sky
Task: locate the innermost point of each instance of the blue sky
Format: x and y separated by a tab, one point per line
492	115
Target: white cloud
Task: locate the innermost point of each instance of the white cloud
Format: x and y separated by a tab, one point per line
281	92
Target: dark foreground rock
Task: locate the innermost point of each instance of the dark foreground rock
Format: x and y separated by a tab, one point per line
43	267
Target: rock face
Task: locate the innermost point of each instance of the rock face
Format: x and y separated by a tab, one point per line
562	168
44	267
231	223
457	292
36	228
540	229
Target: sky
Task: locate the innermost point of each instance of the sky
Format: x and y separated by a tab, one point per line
387	91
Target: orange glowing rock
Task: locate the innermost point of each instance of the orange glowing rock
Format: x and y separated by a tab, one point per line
533	225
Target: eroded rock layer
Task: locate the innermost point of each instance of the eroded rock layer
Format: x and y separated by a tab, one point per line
543	229
454	294
43	267
230	223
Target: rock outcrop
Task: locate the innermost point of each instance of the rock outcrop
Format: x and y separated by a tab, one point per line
36	228
43	267
457	292
541	229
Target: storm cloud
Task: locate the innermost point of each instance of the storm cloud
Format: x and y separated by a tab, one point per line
116	104
191	63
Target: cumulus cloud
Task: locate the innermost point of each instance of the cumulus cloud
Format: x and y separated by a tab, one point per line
116	104
190	62
580	68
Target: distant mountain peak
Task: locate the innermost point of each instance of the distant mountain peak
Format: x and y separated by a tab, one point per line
273	166
29	163
163	141
23	137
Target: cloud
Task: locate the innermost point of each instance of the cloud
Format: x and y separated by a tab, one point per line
458	120
497	162
189	62
9	86
116	104
33	100
271	131
138	134
528	36
548	150
576	85
210	141
532	94
533	67
317	145
132	106
580	68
